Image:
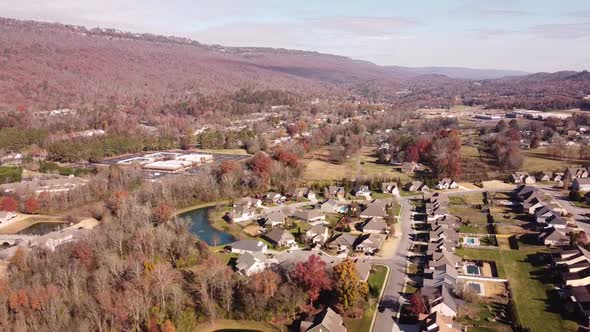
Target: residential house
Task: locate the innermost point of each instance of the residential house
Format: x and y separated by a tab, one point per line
556	221
310	194
375	209
298	193
249	202
544	176
273	219
375	225
578	302
332	206
250	263
52	240
390	188
326	321
550	236
317	234
334	192
369	244
11	159
572	173
572	264
522	177
440	299
280	238
302	192
249	245
548	176
522	192
416	186
309	215
242	214
437	322
409	167
361	191
447	183
275	198
6	216
582	184
343	242
531	204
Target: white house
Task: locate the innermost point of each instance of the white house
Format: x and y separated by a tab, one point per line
241	214
317	234
250	263
447	183
250	245
581	184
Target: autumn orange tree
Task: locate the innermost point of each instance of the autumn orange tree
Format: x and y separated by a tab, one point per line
351	291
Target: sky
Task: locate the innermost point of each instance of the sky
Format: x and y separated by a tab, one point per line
539	35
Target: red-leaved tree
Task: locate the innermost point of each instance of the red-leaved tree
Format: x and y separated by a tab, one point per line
8	204
163	212
312	276
32	205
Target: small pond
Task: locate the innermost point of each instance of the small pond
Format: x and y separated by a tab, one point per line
42	228
201	227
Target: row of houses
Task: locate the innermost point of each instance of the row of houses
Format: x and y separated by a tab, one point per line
526	178
440	270
547	217
571	264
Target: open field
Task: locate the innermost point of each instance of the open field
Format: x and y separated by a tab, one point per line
318	168
539	160
473	215
536	304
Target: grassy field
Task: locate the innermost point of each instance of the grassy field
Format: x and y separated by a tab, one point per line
364	163
538	160
376	281
536	306
473	215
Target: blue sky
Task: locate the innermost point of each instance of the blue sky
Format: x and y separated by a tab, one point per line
542	35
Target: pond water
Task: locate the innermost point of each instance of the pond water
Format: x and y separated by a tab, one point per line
201	227
42	228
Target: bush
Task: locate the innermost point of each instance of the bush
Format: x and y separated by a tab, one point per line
10	174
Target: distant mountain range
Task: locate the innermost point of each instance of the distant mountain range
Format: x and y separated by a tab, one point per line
44	65
459	72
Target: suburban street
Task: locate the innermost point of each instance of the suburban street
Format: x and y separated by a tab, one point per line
392	298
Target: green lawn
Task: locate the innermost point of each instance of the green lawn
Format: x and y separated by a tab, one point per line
473	215
530	294
376	281
473	229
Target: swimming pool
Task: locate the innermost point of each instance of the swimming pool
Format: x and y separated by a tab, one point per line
473	270
471	241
